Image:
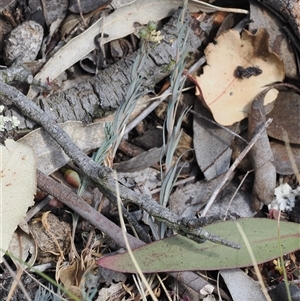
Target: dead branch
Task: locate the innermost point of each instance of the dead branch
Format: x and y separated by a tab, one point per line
74	202
101	175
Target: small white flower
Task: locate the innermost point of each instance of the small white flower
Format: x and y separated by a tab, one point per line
284	198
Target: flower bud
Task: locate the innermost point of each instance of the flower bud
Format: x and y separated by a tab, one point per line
151	25
143	33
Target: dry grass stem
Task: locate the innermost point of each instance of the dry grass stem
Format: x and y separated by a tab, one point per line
128	247
254	262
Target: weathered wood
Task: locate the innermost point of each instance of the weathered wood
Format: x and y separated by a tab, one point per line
288	10
103	93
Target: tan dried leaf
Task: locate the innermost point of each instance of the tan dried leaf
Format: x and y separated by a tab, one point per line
17	187
228	96
24	249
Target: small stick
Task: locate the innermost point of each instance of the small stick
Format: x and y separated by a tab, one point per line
219	125
77	204
100	174
234	165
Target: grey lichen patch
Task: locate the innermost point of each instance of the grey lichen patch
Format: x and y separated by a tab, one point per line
23	43
4	120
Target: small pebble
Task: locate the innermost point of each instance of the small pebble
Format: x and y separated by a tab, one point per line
23	43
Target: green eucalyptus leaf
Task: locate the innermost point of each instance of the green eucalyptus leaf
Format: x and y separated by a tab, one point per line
179	253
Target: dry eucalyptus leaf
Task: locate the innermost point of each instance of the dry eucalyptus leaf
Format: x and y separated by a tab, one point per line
80	275
69	24
18	186
110	292
70	275
142	181
188	200
139	162
23	247
150	139
211	144
228	90
87	6
109	276
49	155
282	160
241	286
119	3
54	10
286	117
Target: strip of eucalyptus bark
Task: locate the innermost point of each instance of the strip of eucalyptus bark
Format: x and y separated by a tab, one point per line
288	10
101	175
261	156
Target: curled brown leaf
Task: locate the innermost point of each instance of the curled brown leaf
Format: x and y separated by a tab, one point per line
261	156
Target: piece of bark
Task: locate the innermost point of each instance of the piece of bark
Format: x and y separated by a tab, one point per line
103	93
212	145
285	117
140	162
282	160
288	10
279	39
261	157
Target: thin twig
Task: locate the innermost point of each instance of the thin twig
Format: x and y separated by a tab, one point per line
68	197
128	247
234	165
16	279
235	193
100	174
219	125
87	165
37	208
78	205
